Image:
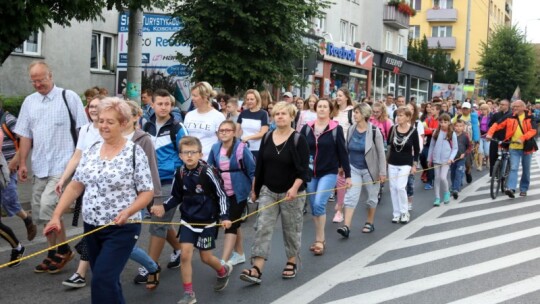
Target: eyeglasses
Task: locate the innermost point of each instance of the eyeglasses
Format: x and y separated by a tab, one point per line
189	153
39	81
225	131
92	107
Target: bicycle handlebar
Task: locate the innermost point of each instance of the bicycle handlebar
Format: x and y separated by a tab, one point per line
500	142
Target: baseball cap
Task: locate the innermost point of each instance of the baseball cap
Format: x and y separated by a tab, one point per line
287	94
466	105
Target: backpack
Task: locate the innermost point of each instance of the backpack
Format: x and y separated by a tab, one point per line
239	158
349	117
204	179
296	137
350	133
7	131
334	133
177	126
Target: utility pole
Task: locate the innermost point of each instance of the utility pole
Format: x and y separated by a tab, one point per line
134	70
467	45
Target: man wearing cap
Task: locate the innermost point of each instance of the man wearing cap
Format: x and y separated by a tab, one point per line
472	129
288	97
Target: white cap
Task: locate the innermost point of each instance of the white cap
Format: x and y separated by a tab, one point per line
466	105
287	94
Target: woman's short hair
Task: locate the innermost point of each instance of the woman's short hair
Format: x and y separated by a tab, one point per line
364	109
288	107
205	90
257	97
404	110
330	105
116	104
190	141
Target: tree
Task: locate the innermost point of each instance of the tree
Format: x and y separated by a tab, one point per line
452	71
507	62
20	18
440	64
243	44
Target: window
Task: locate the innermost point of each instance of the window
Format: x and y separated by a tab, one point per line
31	46
389	41
320	23
416	4
419	89
353	30
400	47
343	30
441	31
442	4
101	53
414	32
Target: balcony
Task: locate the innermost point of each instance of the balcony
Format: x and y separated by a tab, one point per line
447	43
394	18
442	15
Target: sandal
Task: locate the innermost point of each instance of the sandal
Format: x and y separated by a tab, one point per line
368	228
152	280
59	261
291	270
319	250
249	276
43	266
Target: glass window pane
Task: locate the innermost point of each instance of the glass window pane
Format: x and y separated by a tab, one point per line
106	61
423	85
32	43
94	52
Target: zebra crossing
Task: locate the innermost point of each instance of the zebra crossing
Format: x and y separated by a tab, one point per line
474	250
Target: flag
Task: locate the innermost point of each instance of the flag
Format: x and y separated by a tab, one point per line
517	94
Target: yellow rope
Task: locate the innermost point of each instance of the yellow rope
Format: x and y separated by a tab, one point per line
195	224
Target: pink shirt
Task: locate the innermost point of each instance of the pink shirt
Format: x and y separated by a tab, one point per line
224	164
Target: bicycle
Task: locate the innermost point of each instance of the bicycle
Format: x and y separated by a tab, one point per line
501	169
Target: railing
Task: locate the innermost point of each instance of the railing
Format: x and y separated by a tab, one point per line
394	18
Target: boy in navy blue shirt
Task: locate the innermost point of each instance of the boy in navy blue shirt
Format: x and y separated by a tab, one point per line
203	203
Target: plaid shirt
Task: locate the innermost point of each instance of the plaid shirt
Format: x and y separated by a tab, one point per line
45	120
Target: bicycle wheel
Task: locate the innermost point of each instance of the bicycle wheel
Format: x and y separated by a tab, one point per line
505	172
495	180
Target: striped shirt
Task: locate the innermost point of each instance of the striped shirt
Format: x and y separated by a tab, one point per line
45	120
8	146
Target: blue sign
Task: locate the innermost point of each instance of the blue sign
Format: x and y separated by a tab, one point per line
341	52
179	70
124	58
152	23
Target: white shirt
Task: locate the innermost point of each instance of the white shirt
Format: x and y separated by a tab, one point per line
204	127
110	184
88	135
45	119
343	119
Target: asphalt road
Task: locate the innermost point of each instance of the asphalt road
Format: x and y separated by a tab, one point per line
473	250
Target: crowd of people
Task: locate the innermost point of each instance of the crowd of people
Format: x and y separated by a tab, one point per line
120	162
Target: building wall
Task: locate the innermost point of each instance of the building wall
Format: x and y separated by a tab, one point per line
67	51
485	15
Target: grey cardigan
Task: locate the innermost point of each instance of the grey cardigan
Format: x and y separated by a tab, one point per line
143	139
375	156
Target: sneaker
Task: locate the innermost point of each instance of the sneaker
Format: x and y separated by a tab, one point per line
31	231
344	231
188	298
75	281
16	255
338	218
510	193
437	202
405	217
332	197
468	176
455	194
222	282
395	220
59	261
175	260
523	193
142	277
446	197
410	206
237	258
428	186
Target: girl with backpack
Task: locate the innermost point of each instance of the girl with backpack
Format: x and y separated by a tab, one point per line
442	151
483	120
236	165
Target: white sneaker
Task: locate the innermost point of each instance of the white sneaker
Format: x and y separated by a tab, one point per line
410	207
405	217
395	219
237	258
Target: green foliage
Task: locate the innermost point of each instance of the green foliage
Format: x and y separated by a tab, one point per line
20	18
446	70
507	62
239	45
155	80
12	104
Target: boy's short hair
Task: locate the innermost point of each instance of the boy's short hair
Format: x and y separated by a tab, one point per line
190	141
233	101
162	93
460	121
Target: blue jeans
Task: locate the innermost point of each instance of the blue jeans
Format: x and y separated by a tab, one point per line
10	197
140	256
318	200
109	250
430	174
515	157
457	170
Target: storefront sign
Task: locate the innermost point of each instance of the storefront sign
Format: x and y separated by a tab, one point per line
392	62
347	55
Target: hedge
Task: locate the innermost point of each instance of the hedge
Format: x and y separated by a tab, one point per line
12	104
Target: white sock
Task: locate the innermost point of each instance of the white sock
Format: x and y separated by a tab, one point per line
19	247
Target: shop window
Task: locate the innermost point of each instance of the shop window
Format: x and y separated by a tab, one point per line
441	31
353	30
419	89
414	32
31	46
343	25
101	52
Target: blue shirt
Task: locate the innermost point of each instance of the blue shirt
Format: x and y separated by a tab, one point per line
357	150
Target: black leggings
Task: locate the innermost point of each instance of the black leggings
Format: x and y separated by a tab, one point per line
235	212
7	234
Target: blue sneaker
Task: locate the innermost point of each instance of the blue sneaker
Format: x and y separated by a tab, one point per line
437	202
446	197
428	186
